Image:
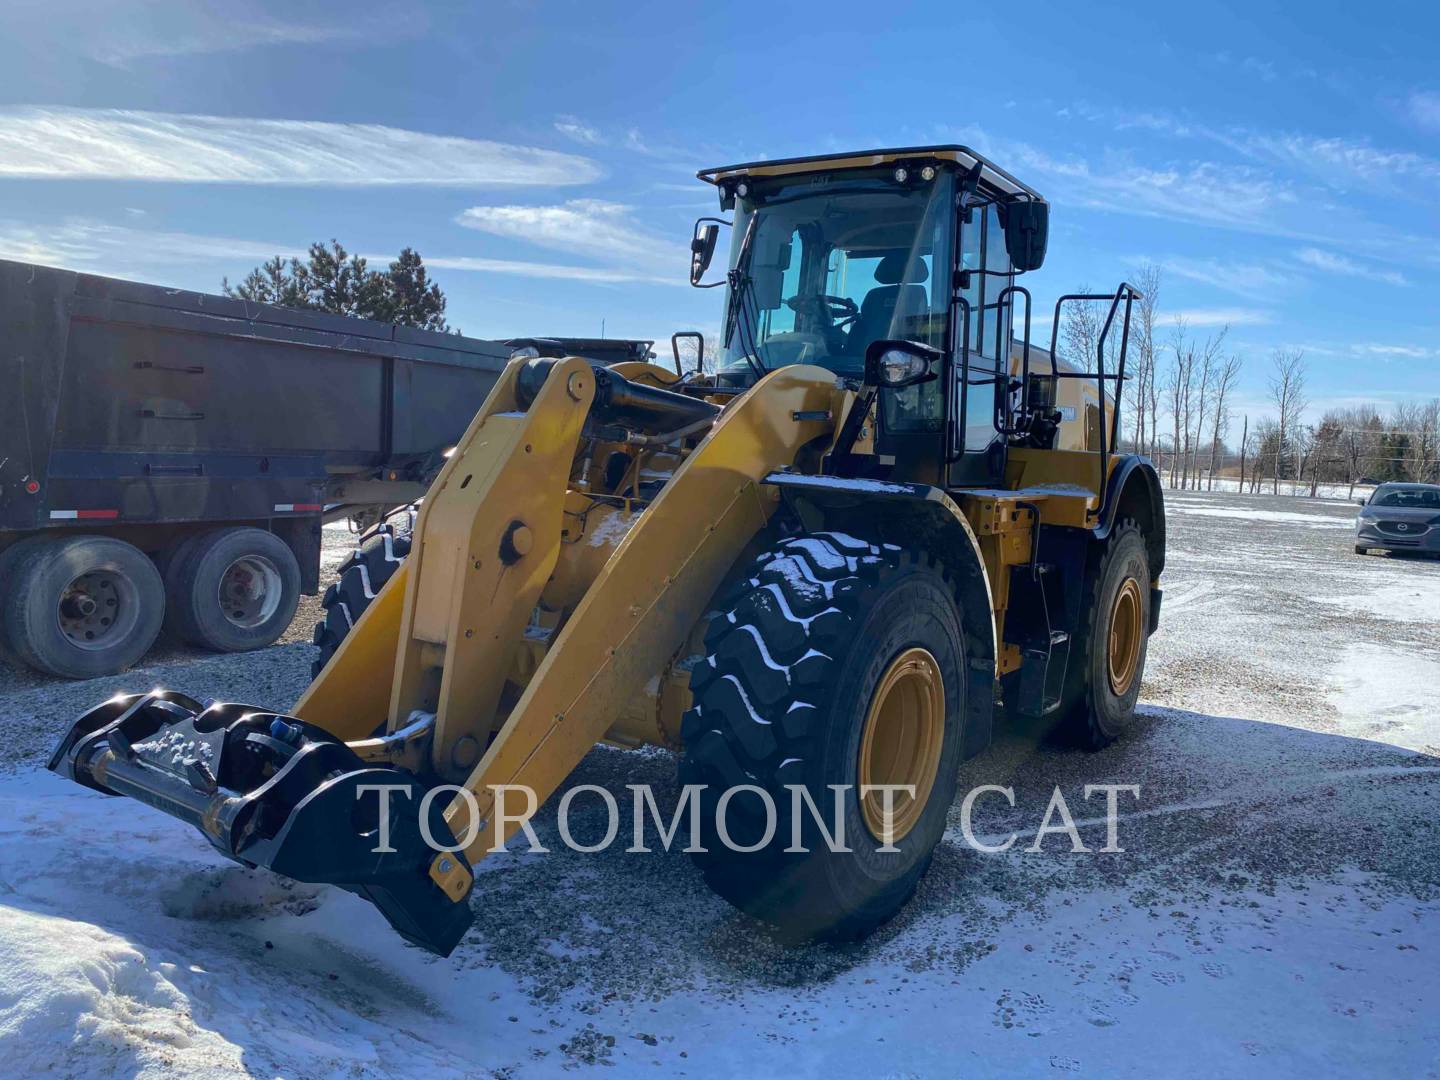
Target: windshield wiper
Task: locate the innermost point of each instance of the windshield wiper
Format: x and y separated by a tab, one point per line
737	314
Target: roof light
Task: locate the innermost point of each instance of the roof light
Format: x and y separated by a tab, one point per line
742	189
902	174
927	173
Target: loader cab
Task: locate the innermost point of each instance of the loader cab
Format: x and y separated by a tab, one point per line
829	255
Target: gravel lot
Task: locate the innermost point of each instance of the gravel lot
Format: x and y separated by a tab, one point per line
1274	909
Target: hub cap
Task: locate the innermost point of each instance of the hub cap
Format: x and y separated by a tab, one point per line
904	733
249	591
97	609
1123	654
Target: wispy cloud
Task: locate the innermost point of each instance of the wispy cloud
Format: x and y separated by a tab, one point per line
68	144
577	130
1200	317
86	244
1408	352
1332	263
121	251
1334	161
1238	276
521	268
120	33
604	230
1424	108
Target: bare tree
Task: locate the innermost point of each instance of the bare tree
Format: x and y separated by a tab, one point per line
1287	391
709	350
1226	374
1178	380
1146	396
1207	365
1267	449
1080	324
1360	429
1418	422
1244	449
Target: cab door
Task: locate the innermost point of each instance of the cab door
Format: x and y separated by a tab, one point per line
981	371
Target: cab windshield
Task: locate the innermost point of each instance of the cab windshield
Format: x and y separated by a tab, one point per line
833	262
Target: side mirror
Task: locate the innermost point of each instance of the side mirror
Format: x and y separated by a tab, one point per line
895	364
1027	231
699	349
1361	501
702	249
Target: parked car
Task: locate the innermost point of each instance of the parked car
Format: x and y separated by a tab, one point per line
1399	517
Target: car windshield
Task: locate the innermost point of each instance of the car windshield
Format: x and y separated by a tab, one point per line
831	264
1416	498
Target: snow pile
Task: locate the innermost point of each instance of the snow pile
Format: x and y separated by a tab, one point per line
78	1000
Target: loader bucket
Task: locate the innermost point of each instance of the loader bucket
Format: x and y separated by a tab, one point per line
273	791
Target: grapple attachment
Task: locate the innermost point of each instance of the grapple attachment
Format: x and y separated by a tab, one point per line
273	791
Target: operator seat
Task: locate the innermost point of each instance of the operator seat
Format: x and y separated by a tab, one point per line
900	275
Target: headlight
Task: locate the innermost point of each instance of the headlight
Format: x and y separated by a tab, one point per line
897	367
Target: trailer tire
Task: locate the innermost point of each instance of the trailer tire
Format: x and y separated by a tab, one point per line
802	672
232	590
82	606
1101	690
363	574
8	559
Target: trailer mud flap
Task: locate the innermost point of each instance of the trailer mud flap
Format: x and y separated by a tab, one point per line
273	791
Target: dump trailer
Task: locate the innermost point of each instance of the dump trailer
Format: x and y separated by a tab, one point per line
828	568
168	457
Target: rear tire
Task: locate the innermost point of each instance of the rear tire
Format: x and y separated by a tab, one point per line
82	606
801	666
1101	695
362	575
232	590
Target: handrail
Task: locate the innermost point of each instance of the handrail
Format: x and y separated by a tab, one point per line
1109	434
1002	415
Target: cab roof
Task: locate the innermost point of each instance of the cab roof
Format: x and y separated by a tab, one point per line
991	175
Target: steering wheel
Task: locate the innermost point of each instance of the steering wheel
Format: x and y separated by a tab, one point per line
840	310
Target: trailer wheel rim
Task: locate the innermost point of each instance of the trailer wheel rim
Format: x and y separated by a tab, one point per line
901	743
1123	653
250	591
97	609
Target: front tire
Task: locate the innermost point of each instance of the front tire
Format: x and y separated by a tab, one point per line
1360	549
837	662
381	550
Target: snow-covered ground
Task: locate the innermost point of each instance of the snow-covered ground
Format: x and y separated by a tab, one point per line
1276	909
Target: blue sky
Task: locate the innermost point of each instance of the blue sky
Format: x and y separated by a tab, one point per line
1282	162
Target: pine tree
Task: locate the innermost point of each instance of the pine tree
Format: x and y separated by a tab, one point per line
333	280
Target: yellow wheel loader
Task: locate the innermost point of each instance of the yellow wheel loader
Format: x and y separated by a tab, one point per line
824	565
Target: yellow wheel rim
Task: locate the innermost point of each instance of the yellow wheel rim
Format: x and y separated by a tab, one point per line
901	743
1126	633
